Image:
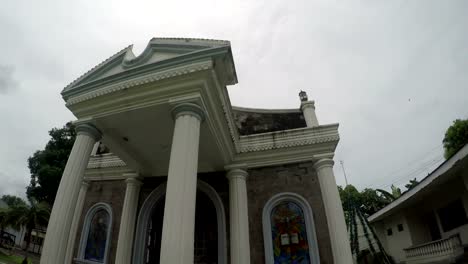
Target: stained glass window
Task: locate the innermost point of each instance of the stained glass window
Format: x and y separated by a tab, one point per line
289	234
97	236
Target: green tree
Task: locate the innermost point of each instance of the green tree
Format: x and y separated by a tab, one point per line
30	216
3	219
396	192
357	207
47	165
372	201
456	137
412	183
12	200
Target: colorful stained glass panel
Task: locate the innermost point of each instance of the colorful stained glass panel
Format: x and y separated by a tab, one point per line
289	234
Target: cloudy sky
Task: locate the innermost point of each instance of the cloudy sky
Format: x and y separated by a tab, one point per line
392	73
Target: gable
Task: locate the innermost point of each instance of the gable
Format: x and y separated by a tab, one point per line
158	51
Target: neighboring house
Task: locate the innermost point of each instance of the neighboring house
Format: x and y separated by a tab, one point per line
37	235
17	234
429	223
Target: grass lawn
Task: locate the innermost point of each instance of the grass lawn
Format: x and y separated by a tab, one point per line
11	259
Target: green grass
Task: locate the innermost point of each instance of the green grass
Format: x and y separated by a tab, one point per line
12	259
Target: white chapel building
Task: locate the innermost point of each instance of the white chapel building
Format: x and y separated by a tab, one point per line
165	170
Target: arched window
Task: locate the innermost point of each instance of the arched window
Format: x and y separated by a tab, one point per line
289	230
95	237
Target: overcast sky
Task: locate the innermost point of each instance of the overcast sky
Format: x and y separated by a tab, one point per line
394	74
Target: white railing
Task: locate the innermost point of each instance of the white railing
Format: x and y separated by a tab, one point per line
448	249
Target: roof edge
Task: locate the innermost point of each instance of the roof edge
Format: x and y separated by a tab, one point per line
436	173
266	111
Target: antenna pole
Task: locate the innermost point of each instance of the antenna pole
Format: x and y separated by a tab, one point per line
344	172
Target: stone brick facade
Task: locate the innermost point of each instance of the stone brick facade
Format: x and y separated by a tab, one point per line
112	193
263	183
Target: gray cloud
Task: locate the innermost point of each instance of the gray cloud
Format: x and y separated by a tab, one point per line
392	73
7	81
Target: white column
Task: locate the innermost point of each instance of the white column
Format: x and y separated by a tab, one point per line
127	222
308	109
65	201
75	222
334	212
177	244
239	217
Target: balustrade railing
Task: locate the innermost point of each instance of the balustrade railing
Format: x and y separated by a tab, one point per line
450	247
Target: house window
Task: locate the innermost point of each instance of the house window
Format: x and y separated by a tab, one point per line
400	227
452	216
289	231
95	239
389	232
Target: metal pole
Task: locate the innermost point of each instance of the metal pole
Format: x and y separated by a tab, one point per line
344	172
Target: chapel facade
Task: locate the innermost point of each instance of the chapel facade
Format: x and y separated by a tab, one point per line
165	170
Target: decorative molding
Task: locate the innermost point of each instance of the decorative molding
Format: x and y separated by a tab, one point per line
95	68
308	219
227	108
325	162
88	129
164	74
189	109
237	174
266	111
85	232
131	181
108	160
180	46
289	138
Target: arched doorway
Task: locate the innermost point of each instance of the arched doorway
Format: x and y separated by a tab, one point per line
210	230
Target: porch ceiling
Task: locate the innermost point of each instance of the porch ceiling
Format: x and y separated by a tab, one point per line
143	138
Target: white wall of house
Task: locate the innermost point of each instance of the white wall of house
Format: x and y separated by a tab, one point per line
416	230
395	243
380	232
19	235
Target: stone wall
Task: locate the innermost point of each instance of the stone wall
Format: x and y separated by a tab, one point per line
264	183
255	121
112	193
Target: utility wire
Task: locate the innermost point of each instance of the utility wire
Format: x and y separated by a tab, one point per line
418	158
424	167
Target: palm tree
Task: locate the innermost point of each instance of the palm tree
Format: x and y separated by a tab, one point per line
3	219
3	222
29	216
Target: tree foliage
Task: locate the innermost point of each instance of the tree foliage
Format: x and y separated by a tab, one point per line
47	165
12	200
368	200
456	137
412	183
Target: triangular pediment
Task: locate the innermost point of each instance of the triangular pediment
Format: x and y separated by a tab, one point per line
158	50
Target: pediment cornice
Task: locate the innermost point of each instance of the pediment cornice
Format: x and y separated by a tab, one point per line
159	55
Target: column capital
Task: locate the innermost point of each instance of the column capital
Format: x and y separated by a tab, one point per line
89	130
307	104
188	109
133	182
237	174
325	162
